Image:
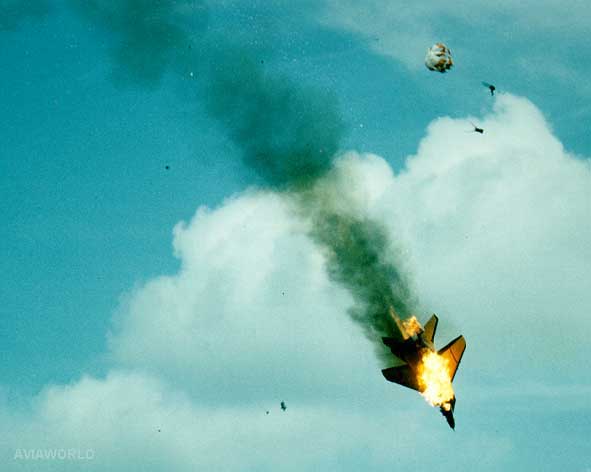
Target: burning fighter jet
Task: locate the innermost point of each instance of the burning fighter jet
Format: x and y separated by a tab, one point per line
422	368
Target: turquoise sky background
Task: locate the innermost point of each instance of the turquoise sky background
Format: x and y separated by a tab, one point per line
88	204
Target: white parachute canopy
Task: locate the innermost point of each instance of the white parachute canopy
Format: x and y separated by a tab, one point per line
439	58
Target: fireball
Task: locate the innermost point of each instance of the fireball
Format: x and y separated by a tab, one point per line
435	379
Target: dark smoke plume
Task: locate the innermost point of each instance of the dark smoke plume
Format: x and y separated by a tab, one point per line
150	36
288	133
360	257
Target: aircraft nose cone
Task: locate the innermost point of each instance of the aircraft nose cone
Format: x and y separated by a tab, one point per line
449	416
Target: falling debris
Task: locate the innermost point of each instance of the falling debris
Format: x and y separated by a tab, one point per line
283	407
477	129
267	412
438	58
491	87
424	369
167	167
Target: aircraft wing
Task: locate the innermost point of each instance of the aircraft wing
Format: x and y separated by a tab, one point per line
453	352
402	375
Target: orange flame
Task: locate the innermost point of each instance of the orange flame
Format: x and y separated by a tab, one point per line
435	379
412	326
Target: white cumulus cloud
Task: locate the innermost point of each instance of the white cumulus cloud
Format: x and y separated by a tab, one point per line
497	235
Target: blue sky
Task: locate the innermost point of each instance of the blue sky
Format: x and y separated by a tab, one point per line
122	301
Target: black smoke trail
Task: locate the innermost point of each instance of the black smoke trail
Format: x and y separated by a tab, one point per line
288	133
